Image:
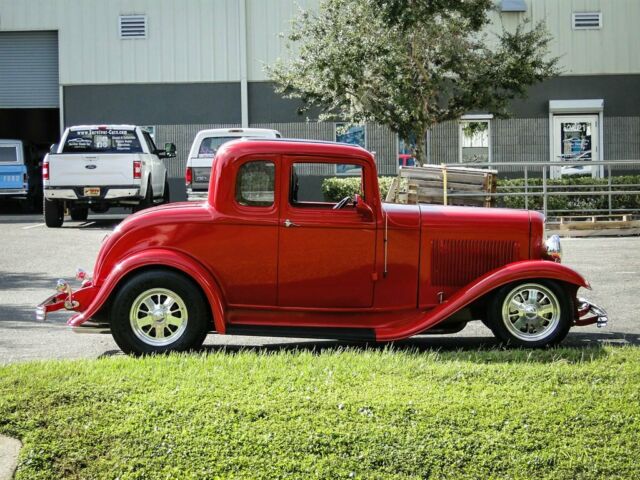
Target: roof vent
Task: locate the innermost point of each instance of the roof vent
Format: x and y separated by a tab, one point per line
133	26
587	20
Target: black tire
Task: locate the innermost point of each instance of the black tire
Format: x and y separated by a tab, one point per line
188	301
527	327
53	213
79	213
148	199
166	195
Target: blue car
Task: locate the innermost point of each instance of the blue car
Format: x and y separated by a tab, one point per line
20	173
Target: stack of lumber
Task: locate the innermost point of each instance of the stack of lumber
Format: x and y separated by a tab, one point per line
444	185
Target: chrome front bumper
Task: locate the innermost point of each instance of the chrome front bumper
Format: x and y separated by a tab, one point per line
589	313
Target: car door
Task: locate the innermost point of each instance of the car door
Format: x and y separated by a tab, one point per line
325	255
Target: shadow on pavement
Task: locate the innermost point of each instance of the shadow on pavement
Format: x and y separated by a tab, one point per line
580	347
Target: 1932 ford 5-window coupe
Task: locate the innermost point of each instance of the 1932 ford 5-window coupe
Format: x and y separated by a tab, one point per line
264	255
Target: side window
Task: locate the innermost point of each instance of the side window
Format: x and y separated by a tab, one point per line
310	189
149	140
255	184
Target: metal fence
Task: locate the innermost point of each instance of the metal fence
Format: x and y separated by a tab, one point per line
546	191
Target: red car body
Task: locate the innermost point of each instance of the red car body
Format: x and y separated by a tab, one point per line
370	270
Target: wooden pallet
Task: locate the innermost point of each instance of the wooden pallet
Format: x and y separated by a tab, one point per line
439	184
595	223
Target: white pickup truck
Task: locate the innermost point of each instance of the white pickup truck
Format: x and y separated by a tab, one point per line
101	166
204	148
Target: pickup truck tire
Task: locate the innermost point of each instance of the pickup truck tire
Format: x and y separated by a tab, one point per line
530	313
79	213
158	311
166	196
147	201
53	213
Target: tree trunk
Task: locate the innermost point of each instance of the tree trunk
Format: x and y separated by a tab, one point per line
419	150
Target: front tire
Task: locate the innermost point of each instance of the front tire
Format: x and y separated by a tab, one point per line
159	311
53	213
166	196
532	314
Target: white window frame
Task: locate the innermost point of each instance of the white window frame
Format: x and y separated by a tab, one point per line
475	118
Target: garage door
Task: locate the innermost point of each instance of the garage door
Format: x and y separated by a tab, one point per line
29	70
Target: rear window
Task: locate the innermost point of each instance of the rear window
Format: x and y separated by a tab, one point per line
210	145
8	154
102	141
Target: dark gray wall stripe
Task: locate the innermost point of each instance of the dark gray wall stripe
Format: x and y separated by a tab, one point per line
29	70
148	104
621	94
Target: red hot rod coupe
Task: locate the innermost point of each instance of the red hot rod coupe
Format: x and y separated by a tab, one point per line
263	255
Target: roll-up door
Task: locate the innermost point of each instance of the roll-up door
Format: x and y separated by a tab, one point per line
29	70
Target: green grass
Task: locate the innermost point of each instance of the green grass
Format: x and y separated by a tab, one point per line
363	413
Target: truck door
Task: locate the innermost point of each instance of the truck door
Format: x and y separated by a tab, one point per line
326	251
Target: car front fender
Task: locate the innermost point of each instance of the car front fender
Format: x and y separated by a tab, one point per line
157	258
523	270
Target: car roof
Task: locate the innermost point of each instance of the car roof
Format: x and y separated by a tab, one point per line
104	125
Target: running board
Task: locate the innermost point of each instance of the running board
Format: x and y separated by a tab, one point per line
352	334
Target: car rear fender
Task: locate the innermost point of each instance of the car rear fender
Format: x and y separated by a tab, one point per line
157	258
517	271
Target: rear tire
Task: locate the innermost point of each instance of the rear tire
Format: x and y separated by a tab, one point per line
166	196
159	311
53	213
79	213
147	201
530	313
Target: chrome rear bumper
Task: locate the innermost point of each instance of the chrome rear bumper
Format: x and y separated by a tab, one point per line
589	313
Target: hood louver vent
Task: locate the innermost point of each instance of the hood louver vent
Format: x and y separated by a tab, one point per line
133	26
587	20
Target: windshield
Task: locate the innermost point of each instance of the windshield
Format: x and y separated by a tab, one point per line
102	141
8	154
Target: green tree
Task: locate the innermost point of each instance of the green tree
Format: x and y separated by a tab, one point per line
409	64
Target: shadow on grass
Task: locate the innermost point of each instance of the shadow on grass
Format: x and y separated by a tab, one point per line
577	348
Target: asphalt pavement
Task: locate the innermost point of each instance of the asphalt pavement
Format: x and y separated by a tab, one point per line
33	257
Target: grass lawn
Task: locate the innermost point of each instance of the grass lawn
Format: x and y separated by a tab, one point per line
345	413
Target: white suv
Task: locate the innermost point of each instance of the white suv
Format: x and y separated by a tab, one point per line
101	166
204	148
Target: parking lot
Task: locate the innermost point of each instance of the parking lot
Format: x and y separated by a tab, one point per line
33	257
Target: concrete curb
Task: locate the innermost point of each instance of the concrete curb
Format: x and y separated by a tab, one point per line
9	450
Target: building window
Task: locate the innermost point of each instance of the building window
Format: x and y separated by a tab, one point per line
132	26
351	134
475	139
586	20
255	184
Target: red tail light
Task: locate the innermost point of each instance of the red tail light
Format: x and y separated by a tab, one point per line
137	169
45	170
188	176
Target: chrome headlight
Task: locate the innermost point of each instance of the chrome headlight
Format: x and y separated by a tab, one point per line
553	248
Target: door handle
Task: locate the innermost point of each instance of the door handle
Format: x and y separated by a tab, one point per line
288	223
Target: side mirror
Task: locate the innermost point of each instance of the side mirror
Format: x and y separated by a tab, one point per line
170	150
363	208
53	148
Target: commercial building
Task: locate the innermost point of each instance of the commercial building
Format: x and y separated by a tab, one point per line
179	66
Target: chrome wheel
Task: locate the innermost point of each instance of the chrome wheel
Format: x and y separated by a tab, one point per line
531	312
158	317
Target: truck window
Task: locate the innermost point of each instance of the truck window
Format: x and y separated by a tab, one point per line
149	140
210	145
306	182
255	184
8	153
102	141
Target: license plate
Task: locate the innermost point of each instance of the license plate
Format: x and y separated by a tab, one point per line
91	191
